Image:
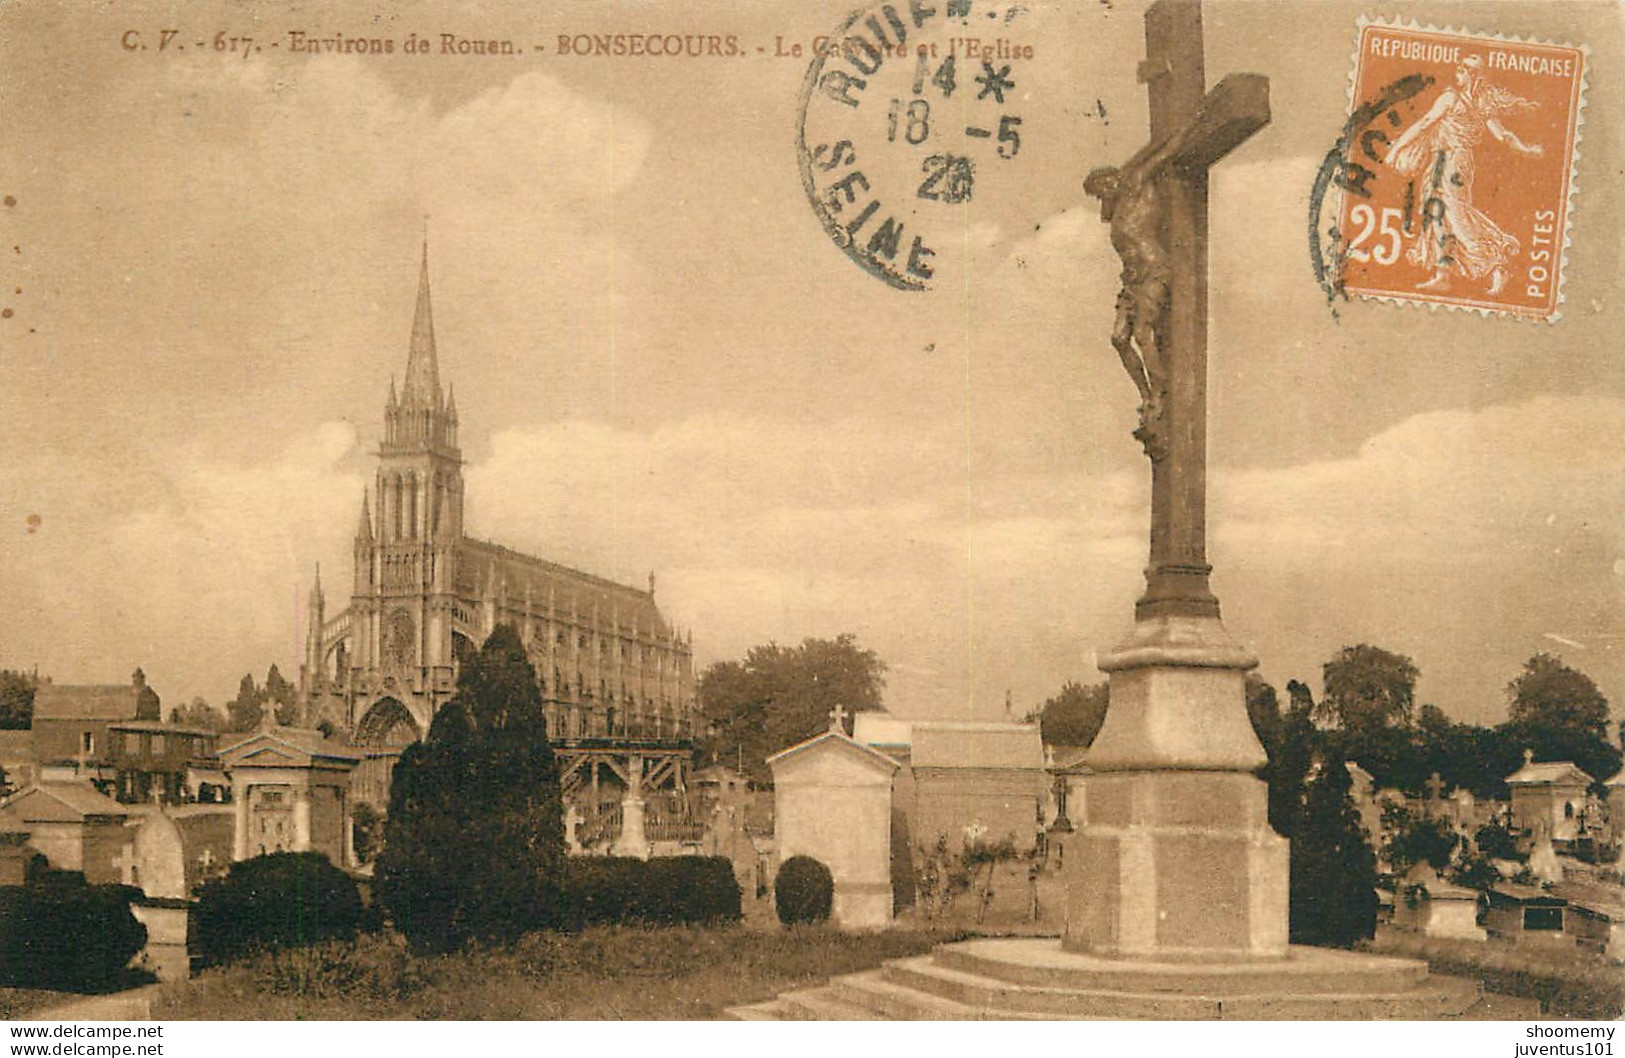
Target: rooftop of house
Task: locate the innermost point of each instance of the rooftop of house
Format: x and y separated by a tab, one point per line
85	701
976	744
159	727
56	802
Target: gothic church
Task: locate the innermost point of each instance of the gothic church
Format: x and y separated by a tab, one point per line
617	680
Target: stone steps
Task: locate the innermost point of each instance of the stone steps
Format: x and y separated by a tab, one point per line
827	1004
883	999
1022	979
1038	961
772	1010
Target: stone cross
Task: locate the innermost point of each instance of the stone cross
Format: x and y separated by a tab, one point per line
837	719
1156	203
1435	786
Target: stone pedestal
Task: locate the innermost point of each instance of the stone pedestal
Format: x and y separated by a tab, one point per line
1175	859
165	954
632	840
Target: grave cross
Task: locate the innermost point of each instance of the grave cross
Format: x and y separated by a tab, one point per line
1156	204
837	719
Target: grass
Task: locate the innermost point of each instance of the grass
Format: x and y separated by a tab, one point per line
605	973
15	1002
1569	982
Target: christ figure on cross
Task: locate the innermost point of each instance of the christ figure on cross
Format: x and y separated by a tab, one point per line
1156	205
1133	203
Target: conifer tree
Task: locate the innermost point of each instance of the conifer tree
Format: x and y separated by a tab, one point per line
1334	872
474	840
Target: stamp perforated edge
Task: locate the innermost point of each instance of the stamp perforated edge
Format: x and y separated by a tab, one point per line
1572	187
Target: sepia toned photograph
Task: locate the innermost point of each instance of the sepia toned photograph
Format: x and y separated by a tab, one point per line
945	510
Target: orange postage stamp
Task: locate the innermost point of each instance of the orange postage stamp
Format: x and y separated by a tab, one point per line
1457	170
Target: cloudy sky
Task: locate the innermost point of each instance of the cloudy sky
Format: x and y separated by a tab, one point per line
663	363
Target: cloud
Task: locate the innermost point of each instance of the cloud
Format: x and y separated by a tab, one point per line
196	569
1437	538
1460	537
288	201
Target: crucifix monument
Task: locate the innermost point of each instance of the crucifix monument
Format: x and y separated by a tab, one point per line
1176	858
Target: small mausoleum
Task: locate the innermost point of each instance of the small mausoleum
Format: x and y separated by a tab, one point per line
832	799
1549	795
290	789
73	826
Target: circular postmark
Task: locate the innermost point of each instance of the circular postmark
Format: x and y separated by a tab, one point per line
1353	166
903	116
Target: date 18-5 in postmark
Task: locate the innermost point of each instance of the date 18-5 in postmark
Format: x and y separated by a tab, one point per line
1456	171
904	117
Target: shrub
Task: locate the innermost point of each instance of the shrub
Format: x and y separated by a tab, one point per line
474	838
1496	841
803	891
60	933
278	900
669	891
1417	839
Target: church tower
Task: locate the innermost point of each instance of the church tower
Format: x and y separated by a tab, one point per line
406	551
616	678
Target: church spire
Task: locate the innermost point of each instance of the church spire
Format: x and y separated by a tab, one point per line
422	373
365	531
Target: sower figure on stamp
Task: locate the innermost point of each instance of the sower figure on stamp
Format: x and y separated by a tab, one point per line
1457	236
1132	201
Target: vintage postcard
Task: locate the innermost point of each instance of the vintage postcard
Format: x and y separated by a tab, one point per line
506	500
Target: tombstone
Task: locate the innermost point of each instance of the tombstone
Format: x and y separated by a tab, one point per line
1615	808
15	852
976	772
1434	806
632	840
1544	862
1436	908
156	858
572	824
1464	810
832	800
1363	791
155	862
1550	794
